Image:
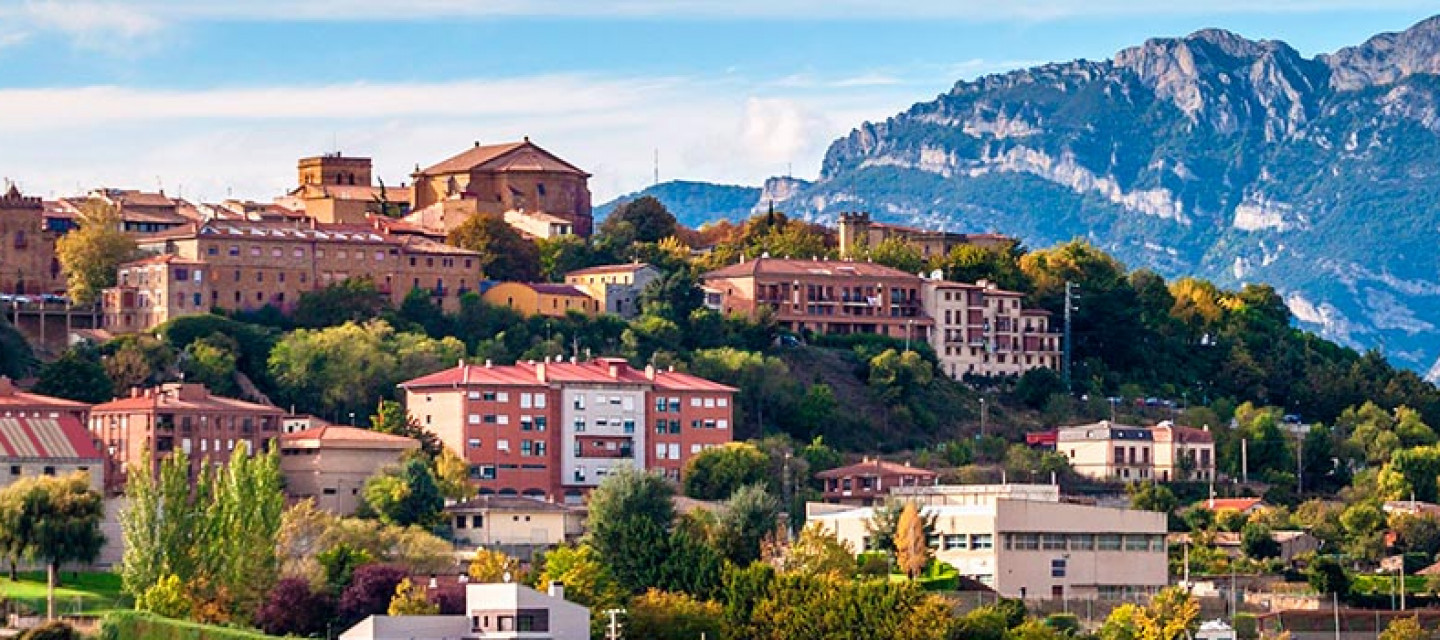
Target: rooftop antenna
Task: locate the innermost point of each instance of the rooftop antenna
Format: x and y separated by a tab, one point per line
657	165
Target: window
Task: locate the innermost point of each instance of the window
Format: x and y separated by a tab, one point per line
659	426
1109	542
722	402
980	541
675	405
1026	541
629	425
539	401
502	419
491	418
474	418
694	403
722	424
1082	541
473	395
579	424
660	450
954	542
526	423
473	443
540	423
580	402
502	396
488	396
1057	568
659	405
674	426
1053	541
674	451
525	448
502	445
483	472
1137	543
709	403
525	401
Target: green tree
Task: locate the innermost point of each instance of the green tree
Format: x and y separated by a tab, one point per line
715	474
167	598
410	600
912	550
644	219
631	513
390	417
560	255
749	516
884	524
896	375
1037	385
60	522
16	357
349	300
1257	542
504	253
76	375
816	551
404	495
897	253
1151	496
340	370
1412	473
1416	533
661	615
91	255
1327	576
211	361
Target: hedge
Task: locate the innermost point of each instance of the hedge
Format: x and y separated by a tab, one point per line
124	625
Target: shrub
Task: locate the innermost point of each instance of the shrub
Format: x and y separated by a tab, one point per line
53	630
125	625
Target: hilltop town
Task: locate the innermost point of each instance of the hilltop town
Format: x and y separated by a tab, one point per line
459	406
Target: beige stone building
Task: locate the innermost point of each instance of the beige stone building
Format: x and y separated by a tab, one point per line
333	188
1117	452
982	330
517	177
238	265
331	464
616	287
509	521
541	299
1028	545
858	231
27	247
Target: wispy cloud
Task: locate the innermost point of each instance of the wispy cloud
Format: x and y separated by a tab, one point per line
244	141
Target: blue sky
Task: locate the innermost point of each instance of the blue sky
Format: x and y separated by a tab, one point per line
211	98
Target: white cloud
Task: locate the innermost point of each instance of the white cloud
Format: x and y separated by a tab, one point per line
114	27
244	142
13	39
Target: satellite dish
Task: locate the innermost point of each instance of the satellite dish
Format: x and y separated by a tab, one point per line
937	275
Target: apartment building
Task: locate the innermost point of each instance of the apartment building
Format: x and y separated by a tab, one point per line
870	481
330	464
237	265
540	299
17	403
1164	452
515	178
27	246
140	211
1030	544
516	523
982	330
858	231
178	416
616	287
823	296
555	430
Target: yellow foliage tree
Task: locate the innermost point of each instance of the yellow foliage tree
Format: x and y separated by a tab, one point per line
491	566
410	600
911	549
1171	615
452	475
1406	629
90	254
818	552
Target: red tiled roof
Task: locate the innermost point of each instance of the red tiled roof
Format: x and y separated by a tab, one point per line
162	259
875	467
503	157
11	397
556	289
609	268
1238	504
351	436
529	374
809	268
62	438
168	396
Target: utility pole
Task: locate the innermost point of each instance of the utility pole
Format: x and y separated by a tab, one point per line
612	632
1069	306
1244	461
983	411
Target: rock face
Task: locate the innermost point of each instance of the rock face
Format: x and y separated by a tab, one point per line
1210	154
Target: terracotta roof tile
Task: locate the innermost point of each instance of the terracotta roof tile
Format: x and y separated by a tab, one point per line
11	397
609	268
502	157
1238	504
876	467
337	435
809	268
529	374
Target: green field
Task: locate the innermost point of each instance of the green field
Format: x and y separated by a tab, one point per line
85	593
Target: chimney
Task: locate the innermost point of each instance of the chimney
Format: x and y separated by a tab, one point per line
540	371
650	372
488	364
557	589
433	583
6	387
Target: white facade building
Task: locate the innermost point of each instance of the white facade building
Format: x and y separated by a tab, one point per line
498	611
1023	542
605	429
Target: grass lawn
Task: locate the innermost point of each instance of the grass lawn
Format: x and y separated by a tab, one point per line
85	593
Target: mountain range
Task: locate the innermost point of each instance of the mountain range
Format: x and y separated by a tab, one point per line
1209	155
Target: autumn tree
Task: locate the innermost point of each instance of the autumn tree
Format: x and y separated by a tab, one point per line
504	253
370	592
293	608
410	600
452	475
91	254
817	551
912	550
1406	629
490	565
661	615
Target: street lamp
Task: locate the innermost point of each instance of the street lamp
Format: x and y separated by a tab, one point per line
908	324
352	418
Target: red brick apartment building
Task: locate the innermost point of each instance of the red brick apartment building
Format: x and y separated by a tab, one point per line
178	416
823	296
555	429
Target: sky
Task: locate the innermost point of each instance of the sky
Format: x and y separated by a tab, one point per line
210	99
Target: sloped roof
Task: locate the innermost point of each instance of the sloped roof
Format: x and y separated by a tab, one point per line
1238	504
11	397
629	267
875	467
62	438
506	503
350	437
510	156
181	396
808	268
542	373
